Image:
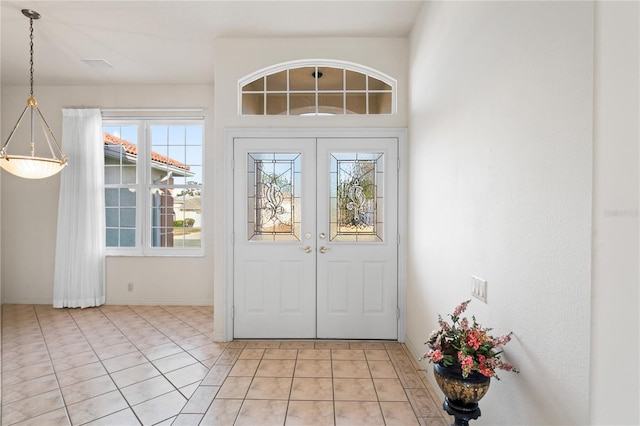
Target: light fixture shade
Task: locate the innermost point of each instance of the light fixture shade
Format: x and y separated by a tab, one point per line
31	167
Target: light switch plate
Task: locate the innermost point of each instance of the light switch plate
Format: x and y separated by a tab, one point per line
479	288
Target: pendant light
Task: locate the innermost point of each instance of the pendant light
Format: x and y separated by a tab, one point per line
32	166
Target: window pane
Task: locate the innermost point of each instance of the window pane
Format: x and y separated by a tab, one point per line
253	104
254	86
379	103
276	104
277	82
331	79
302	79
330	103
375	84
303	103
355	196
356	80
274	200
356	103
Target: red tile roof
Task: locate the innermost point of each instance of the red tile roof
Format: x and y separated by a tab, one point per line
131	148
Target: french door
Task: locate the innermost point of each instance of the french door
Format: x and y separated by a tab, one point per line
315	238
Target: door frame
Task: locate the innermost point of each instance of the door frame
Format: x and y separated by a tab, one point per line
223	300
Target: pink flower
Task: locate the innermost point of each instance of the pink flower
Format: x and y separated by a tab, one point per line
436	355
460	308
464	324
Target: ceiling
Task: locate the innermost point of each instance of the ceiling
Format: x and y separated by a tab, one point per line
170	42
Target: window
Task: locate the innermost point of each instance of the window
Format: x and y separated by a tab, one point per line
153	186
317	88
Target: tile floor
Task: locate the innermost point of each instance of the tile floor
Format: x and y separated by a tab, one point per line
157	365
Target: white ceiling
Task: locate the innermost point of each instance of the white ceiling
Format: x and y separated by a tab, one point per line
167	42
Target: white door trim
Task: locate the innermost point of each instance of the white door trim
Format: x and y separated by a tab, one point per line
224	307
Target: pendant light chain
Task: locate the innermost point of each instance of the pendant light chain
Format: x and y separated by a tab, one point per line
31	54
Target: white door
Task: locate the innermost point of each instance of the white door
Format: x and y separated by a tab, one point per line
315	238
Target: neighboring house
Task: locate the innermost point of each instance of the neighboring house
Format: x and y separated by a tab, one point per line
165	207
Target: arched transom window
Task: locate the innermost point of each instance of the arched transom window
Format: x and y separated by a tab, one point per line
318	87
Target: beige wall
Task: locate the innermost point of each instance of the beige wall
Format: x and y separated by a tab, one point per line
500	187
30	208
616	228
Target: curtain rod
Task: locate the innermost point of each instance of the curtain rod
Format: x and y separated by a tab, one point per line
151	109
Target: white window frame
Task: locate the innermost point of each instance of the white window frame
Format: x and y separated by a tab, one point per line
143	186
330	63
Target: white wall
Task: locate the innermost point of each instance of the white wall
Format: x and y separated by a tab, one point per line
615	274
501	186
30	208
238	58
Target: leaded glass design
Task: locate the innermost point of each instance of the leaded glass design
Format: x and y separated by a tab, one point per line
273	196
356	197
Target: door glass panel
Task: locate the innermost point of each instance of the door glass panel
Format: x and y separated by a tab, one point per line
274	197
356	197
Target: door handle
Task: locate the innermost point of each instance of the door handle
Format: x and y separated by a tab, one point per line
306	249
323	249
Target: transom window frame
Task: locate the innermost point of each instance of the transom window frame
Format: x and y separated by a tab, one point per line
317	63
143	185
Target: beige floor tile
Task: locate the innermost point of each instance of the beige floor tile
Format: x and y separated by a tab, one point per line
160	408
146	390
434	421
262	412
87	389
332	344
116	350
188	390
270	388
280	354
252	353
422	403
389	390
234	388
27	373
135	374
187	375
18	391
351	369
314	354
207	351
366	345
160	351
96	407
216	375
245	367
376	355
34	406
80	374
201	399
276	368
262	344
382	370
57	417
229	356
305	413
197	342
187	420
295	344
312	389
174	362
16	361
398	414
350	413
347	354
121	418
313	368
222	412
354	390
122	362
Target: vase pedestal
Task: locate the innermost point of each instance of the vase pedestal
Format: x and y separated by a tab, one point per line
461	417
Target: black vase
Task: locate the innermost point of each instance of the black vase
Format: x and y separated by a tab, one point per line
462	393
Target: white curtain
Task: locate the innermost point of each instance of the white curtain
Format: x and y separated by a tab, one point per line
79	268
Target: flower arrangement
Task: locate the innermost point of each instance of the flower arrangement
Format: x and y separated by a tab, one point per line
468	345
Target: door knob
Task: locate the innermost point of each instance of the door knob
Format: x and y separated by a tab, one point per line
306	249
323	249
